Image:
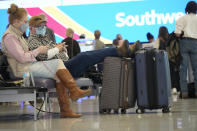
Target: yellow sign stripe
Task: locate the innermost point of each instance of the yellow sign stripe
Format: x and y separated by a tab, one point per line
68	22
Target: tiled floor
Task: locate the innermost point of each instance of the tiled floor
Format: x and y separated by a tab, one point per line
17	117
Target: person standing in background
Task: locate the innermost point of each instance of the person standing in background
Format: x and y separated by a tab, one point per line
174	69
188	45
97	43
152	43
82	36
150	37
116	41
160	42
97	46
73	46
163	37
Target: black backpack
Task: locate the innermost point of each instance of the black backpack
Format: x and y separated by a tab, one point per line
95	75
172	47
4	66
5	80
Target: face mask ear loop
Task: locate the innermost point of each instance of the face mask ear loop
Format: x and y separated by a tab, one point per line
24	27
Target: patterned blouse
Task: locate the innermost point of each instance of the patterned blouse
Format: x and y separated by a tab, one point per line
35	41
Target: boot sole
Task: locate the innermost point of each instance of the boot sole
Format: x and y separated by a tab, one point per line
126	46
62	116
75	99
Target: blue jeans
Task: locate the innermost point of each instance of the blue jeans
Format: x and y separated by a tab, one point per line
188	49
80	63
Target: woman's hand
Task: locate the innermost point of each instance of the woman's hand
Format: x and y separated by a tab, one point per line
61	46
43	49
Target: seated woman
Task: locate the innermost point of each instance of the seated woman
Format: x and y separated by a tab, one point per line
81	62
22	60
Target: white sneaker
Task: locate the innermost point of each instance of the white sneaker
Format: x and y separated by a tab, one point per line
174	91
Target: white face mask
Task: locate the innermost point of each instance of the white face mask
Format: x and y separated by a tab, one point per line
24	27
41	30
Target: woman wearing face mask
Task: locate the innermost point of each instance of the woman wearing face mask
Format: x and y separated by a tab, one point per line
22	60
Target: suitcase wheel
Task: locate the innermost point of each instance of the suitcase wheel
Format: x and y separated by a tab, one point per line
166	110
116	111
140	111
108	111
123	111
102	111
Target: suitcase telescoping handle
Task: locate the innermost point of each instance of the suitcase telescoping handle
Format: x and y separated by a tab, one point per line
125	93
145	50
151	72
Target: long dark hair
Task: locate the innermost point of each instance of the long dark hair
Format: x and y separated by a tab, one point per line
191	7
163	32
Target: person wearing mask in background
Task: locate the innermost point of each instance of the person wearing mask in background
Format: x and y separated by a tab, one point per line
97	43
72	45
116	41
22	60
49	31
188	45
78	64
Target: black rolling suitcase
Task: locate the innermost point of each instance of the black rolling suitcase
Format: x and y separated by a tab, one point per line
153	80
118	89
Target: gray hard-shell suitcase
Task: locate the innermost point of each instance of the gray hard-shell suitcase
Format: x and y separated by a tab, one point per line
153	80
118	89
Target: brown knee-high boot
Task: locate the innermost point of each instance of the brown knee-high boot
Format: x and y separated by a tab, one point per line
68	81
64	104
